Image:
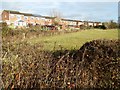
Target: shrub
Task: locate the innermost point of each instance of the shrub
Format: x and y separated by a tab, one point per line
94	65
26	63
5	28
111	25
101	26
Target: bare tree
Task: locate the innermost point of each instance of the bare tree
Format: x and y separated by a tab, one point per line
57	17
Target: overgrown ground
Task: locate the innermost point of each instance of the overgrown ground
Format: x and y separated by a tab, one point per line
74	40
61	60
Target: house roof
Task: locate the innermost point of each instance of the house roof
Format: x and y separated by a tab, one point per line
71	20
36	15
97	22
28	14
89	21
17	12
14	12
48	17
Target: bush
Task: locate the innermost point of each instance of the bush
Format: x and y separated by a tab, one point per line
111	25
99	64
94	65
26	63
101	27
5	28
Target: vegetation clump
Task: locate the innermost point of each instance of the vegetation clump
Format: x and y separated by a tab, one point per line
94	65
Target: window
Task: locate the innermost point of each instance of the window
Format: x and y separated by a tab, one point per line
11	15
18	17
43	18
5	16
37	18
26	17
32	17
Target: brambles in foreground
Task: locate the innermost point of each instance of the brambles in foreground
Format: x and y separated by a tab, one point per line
94	65
24	65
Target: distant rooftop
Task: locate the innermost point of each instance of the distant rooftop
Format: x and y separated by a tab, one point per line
17	12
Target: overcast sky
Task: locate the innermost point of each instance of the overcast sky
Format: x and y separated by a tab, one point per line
94	10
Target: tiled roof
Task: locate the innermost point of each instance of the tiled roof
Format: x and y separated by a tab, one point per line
36	15
17	12
48	17
71	20
14	12
27	14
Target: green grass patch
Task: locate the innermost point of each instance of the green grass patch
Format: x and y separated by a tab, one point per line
73	40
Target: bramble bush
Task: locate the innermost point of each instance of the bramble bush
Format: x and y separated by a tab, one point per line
5	28
94	65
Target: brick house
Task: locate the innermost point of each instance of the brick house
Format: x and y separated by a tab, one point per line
23	19
80	23
14	17
18	19
73	23
69	22
97	23
48	20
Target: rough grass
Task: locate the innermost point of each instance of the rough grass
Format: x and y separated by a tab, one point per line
73	40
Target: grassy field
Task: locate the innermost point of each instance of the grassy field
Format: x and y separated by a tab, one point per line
73	40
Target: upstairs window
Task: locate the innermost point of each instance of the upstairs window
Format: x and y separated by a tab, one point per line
32	17
37	18
5	16
18	17
26	18
12	15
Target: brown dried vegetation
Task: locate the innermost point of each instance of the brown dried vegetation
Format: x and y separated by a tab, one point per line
95	65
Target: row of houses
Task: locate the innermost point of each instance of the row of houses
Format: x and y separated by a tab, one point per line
19	19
